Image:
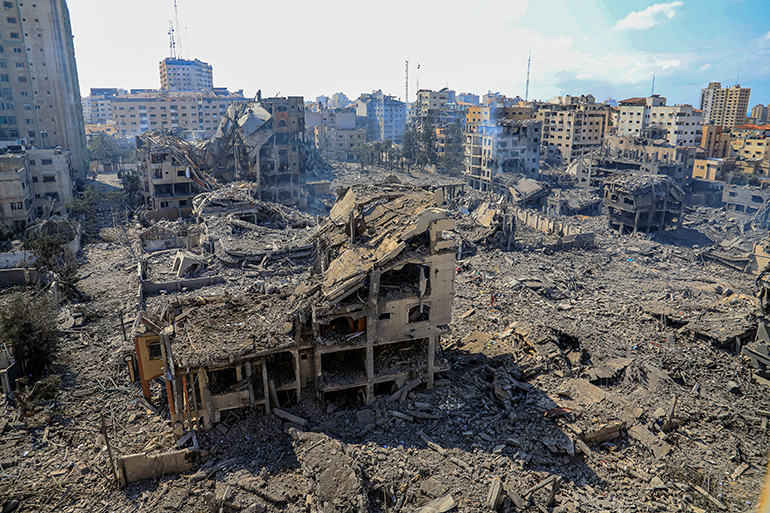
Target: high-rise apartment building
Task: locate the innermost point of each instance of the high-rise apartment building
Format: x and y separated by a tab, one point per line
184	75
725	107
386	116
682	123
572	126
39	90
760	113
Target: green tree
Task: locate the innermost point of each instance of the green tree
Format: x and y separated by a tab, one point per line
427	141
103	148
28	325
410	147
453	148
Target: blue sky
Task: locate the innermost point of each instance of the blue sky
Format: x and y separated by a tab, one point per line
309	48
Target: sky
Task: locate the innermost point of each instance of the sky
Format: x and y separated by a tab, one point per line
611	48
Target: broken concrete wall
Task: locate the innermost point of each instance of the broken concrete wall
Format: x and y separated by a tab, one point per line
136	467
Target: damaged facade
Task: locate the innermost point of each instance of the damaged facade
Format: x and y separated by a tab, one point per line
643	202
264	141
168	174
504	147
367	323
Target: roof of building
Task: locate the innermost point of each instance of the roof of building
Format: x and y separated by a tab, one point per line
749	126
633	101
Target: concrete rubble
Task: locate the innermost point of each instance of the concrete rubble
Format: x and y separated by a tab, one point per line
420	348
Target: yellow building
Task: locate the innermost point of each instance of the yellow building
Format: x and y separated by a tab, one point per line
715	141
712	168
109	128
168	110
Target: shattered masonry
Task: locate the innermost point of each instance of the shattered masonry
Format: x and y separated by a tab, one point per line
367	323
643	202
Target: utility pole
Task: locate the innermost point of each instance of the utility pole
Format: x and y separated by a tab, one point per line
526	90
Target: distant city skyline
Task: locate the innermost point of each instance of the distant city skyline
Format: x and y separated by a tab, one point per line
605	48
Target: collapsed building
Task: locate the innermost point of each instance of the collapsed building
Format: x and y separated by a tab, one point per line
264	141
366	323
644	202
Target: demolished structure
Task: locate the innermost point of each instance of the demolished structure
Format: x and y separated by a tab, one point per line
644	202
264	141
169	172
366	323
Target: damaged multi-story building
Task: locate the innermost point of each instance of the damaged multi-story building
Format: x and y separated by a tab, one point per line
366	323
505	147
264	141
572	126
643	202
168	170
261	141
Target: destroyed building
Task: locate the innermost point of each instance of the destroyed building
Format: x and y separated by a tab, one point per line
367	322
168	170
744	198
263	141
643	202
504	147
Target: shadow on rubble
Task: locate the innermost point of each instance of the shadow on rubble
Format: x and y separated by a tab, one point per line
683	237
481	421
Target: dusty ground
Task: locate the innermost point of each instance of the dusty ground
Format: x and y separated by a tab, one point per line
546	348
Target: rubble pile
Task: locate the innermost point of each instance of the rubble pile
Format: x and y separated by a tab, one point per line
413	351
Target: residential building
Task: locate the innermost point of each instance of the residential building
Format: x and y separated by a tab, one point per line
715	141
437	106
468	98
760	113
339	143
744	198
502	147
177	111
385	114
166	177
750	144
653	152
334	337
475	116
110	128
572	125
31	178
682	122
40	93
339	101
282	159
185	75
17	209
726	107
643	202
714	169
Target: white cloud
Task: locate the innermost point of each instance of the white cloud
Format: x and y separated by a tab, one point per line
641	20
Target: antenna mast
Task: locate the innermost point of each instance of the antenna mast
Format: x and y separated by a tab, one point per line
653	85
418	77
171	43
406	92
526	90
178	31
738	79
